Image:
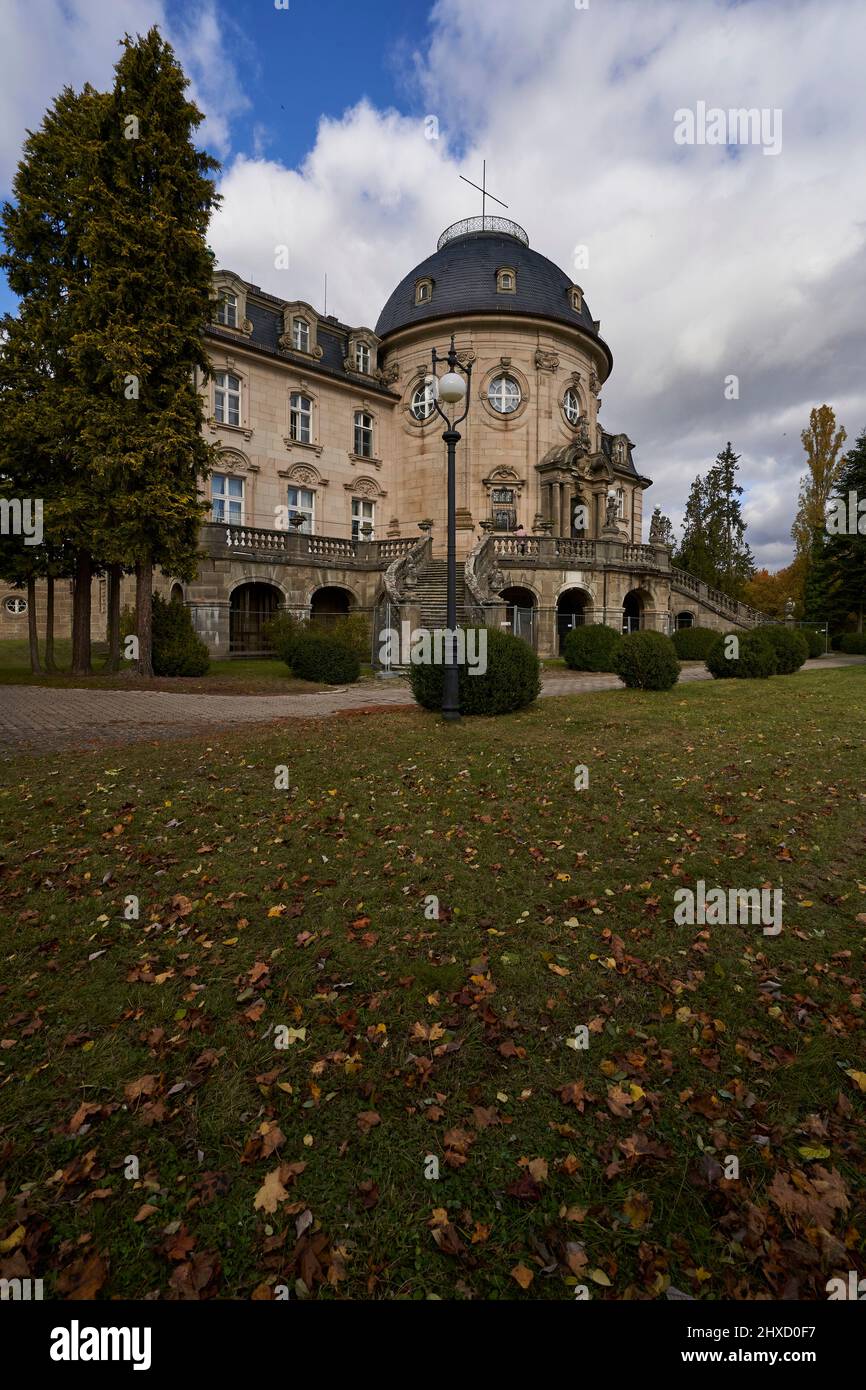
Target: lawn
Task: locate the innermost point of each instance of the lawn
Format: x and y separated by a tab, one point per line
236	676
250	1089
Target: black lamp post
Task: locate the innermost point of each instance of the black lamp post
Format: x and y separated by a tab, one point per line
451	388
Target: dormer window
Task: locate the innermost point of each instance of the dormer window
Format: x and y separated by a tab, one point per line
577	299
362	358
300	335
227	312
506	281
423	291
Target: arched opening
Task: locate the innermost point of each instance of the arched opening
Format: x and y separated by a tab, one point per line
633	611
571	611
252	608
685	620
176	595
519	612
329	604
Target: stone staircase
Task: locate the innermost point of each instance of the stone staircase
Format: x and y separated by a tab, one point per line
431	593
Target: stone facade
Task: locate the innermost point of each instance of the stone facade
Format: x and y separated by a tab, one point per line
329	492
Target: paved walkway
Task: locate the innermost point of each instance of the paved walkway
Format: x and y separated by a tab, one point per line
46	718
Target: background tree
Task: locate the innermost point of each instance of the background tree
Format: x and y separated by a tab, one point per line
41	396
844	555
693	554
822	443
713	546
140	345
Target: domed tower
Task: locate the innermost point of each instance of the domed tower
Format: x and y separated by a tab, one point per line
532	446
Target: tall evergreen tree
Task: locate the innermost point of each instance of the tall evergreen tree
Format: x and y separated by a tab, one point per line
733	561
41	397
694	552
141	345
845	552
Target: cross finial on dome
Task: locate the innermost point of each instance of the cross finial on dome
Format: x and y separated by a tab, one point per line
482	189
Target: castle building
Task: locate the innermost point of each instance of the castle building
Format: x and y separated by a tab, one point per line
329	493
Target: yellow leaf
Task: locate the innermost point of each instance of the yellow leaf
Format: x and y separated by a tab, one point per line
277	911
598	1276
810	1151
11	1242
859	1079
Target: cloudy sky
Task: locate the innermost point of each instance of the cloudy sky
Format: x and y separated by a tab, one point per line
702	260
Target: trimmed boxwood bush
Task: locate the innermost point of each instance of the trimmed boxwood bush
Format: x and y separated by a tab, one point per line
591	648
280	634
815	641
177	648
512	679
693	643
757	659
318	657
647	661
790	646
853	643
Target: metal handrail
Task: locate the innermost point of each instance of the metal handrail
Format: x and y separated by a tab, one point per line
468	225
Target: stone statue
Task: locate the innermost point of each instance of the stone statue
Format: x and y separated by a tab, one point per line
611	509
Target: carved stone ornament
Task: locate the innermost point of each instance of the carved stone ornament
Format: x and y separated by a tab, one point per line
388	375
247	327
546	361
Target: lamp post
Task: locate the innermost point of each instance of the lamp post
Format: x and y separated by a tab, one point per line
452	388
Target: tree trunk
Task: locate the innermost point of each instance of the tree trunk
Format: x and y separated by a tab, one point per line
144	616
50	664
113	627
32	630
81	617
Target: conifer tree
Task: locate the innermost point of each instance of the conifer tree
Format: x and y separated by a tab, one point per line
845	551
140	347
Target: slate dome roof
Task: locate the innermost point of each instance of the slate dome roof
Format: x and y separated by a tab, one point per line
463	270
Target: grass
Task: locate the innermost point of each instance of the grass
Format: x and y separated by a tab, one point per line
415	1037
235	676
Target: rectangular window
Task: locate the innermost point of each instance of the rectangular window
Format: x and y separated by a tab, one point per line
301	335
228	310
363	511
227	499
363	434
362	357
227	399
302	502
620	504
301	418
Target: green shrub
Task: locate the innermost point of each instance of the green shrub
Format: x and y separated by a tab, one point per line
693	643
177	649
836	641
280	633
790	646
815	641
318	657
756	661
354	632
853	643
511	681
647	661
591	648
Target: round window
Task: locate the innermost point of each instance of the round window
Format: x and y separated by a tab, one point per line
15	605
422	402
503	394
571	406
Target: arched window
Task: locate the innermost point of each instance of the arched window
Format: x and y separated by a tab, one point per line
227	312
300	335
685	620
422	401
301	418
506	282
227	398
363	434
423	291
503	394
571	406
